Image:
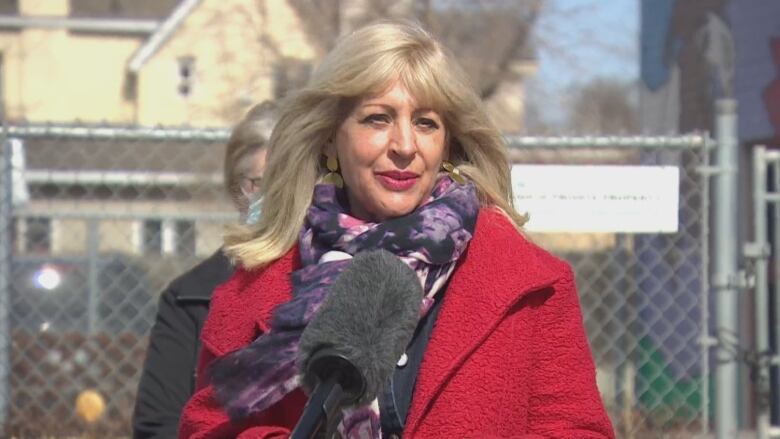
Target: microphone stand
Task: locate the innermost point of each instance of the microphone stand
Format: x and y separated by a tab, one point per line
322	410
338	383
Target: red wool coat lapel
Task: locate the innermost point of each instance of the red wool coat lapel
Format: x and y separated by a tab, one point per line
494	275
248	297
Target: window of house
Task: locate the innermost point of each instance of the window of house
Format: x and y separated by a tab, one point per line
151	237
185	238
37	235
186	75
167	237
290	74
130	87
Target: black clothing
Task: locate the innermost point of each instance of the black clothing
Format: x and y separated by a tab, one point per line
394	402
168	377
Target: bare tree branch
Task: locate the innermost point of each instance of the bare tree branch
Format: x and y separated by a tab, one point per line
602	106
488	36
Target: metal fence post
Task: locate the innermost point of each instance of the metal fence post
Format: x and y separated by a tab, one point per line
725	264
707	341
93	288
761	290
6	223
774	398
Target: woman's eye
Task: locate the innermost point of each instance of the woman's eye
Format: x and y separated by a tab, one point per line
376	119
427	123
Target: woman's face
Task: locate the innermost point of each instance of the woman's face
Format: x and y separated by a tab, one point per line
251	169
390	150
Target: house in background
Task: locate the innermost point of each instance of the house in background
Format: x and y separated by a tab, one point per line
198	63
193	62
137	63
201	63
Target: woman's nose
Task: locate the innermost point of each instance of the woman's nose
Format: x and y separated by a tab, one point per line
403	142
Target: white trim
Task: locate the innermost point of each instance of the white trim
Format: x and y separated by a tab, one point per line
136	237
161	35
55	232
168	238
19	193
122	26
21	235
124	178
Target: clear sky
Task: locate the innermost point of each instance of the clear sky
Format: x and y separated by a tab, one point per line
578	40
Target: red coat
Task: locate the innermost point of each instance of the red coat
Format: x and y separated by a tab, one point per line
508	356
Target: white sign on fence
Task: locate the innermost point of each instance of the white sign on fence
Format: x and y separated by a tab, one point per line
628	199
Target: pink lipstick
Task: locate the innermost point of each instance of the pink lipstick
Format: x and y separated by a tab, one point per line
397	180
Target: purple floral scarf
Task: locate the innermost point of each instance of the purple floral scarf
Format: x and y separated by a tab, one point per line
430	240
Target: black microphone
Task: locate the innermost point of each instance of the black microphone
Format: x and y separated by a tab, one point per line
349	350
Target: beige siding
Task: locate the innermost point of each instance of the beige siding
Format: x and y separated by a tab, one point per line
116	236
51	8
11	74
208	237
69	236
285	30
233	63
54	75
69	223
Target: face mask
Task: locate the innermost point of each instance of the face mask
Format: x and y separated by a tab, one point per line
253	211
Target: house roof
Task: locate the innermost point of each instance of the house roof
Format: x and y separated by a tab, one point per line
121	9
112	16
115	26
147	10
161	35
9	7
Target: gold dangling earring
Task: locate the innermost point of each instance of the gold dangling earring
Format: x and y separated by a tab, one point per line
333	177
453	172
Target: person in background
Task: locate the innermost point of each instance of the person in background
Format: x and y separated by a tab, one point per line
168	376
389	147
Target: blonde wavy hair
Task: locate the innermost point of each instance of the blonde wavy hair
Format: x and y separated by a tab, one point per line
364	63
247	137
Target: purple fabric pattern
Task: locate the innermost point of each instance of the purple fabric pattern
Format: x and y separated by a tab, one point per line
430	240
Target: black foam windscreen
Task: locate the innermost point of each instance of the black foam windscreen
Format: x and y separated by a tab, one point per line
367	319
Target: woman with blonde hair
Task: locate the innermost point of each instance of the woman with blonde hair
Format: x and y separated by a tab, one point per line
388	147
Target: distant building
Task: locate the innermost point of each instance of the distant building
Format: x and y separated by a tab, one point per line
172	62
139	62
200	63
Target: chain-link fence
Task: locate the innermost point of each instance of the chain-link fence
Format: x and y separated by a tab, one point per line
644	295
96	221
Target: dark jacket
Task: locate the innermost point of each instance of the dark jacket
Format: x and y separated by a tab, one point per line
168	377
